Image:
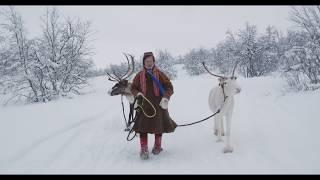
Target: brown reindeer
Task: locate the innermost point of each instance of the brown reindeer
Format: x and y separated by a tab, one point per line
122	87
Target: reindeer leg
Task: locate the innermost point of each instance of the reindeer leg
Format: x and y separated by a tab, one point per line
219	121
228	148
215	128
130	98
222	128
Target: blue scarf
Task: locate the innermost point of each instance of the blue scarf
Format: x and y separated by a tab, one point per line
161	89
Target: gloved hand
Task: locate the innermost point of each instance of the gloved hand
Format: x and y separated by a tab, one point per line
164	103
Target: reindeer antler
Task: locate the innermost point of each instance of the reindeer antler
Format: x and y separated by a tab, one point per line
211	72
115	77
111	78
235	66
132	70
128	66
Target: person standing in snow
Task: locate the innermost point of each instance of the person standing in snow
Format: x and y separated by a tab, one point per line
157	88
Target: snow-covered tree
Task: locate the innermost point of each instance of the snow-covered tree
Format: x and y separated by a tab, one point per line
226	54
17	65
64	53
52	64
193	59
271	51
302	59
257	55
249	51
165	61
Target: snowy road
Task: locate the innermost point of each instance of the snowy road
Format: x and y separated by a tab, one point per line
271	133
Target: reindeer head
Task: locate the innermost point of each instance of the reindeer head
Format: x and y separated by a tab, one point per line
122	87
229	84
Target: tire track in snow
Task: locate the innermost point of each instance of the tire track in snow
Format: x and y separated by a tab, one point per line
97	149
58	153
40	141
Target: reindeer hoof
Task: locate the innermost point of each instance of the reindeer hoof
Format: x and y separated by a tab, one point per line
228	149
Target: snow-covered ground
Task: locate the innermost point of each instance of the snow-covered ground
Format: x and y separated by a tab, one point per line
272	132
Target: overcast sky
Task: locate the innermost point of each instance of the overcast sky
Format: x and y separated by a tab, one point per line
136	29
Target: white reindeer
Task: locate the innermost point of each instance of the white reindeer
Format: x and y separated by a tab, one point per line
221	97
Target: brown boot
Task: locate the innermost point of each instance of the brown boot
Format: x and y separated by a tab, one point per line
144	153
156	150
157	144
